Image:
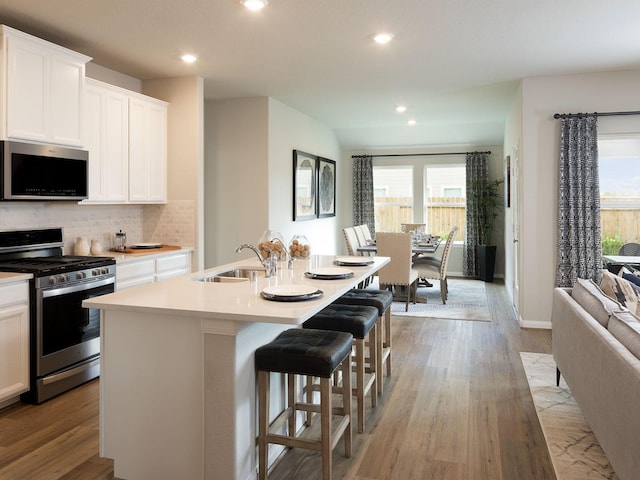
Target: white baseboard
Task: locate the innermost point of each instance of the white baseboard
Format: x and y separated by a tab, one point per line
534	324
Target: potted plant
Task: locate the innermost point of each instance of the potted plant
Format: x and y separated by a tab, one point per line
488	201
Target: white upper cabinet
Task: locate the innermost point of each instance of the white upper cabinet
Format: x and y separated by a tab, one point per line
43	94
147	150
126	135
106	128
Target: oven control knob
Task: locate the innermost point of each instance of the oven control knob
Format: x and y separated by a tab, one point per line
81	275
52	280
95	272
104	271
62	278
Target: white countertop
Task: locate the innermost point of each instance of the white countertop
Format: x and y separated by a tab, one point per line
143	255
183	296
9	277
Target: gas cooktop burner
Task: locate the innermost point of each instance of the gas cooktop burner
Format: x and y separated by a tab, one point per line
56	264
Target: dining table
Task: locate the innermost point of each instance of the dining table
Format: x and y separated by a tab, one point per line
417	248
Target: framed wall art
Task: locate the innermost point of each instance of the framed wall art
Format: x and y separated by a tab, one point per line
507	181
326	188
305	168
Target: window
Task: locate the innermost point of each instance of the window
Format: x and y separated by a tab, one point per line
619	171
445	198
393	197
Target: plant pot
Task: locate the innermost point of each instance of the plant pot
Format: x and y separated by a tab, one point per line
486	261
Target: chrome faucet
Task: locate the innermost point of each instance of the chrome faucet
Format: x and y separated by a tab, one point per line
268	263
286	252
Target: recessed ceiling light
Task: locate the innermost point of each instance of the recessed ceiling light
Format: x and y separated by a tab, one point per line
189	58
383	37
411	122
401	109
254	4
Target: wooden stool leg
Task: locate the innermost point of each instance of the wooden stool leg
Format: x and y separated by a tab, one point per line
346	404
387	328
291	394
379	353
373	361
309	397
359	368
325	426
263	423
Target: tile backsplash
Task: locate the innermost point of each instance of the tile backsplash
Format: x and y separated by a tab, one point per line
172	223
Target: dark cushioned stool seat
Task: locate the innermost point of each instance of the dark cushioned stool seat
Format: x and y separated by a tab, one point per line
304	352
312	353
382	300
354	319
360	321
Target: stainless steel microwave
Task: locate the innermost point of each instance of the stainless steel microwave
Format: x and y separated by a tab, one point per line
42	172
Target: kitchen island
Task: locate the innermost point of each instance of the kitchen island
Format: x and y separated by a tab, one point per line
178	384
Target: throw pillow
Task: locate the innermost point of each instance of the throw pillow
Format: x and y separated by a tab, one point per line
631	278
589	296
625	327
620	290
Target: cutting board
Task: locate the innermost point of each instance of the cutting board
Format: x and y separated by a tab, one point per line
147	251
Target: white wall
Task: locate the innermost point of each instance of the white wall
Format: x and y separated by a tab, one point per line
539	157
181	220
236	176
291	130
249	174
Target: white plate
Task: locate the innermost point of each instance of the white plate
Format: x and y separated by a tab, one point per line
330	272
146	245
290	290
354	260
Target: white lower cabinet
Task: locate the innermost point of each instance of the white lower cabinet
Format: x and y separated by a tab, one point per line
173	266
133	273
14	339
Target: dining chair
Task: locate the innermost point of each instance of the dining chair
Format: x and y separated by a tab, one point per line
398	272
360	234
351	239
630	249
366	232
431	268
410	227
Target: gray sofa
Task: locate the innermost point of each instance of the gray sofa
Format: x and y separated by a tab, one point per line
601	370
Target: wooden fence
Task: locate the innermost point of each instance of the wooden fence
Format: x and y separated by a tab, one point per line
621	222
393	211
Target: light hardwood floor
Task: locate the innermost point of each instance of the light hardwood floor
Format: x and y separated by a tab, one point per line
456	407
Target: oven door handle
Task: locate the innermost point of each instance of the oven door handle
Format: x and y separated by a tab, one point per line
70	373
80	287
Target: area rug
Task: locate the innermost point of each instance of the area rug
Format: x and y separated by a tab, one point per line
467	301
574	449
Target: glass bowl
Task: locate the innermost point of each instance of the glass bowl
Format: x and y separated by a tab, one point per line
299	247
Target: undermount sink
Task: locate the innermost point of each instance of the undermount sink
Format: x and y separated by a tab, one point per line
234	275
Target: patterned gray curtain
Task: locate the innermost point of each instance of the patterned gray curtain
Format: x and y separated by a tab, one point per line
363	207
477	167
579	231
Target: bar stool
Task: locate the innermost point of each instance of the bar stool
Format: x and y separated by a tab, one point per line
382	300
306	352
360	321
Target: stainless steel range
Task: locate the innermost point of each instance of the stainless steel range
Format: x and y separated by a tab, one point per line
65	337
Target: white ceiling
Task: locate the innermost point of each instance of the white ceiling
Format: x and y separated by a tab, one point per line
455	63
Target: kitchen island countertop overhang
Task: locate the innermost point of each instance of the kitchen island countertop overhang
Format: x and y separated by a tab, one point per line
177	388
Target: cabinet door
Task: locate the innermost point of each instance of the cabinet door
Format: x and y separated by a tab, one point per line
106	119
65	113
173	266
27	94
14	351
147	152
